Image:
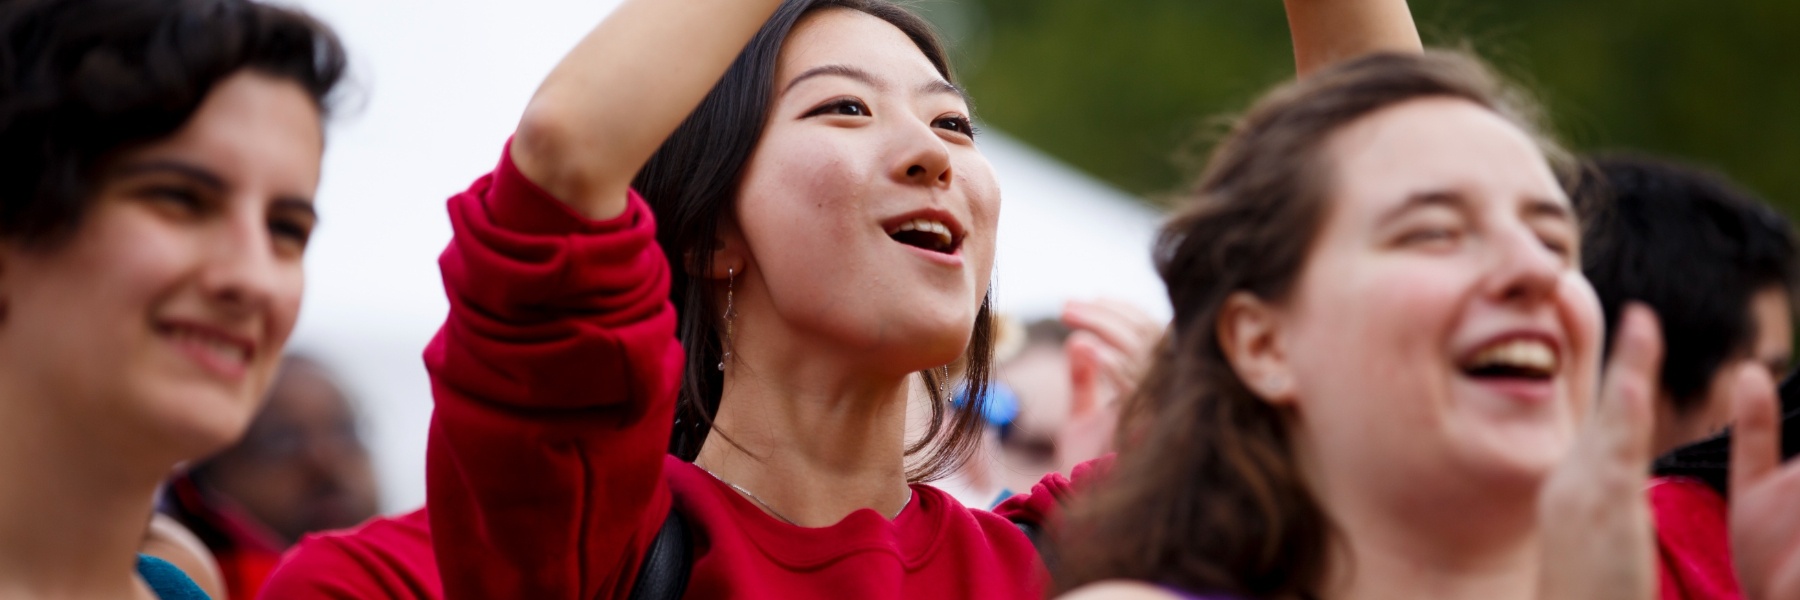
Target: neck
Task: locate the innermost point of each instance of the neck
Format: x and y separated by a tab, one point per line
1370	566
1453	544
72	517
812	444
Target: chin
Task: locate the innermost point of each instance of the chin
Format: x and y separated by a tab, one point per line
198	422
1516	458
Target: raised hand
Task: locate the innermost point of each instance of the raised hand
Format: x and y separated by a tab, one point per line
1765	494
1597	536
1109	348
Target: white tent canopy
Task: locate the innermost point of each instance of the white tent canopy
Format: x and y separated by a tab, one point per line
439	86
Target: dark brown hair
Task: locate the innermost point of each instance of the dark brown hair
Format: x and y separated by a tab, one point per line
691	184
1205	494
81	80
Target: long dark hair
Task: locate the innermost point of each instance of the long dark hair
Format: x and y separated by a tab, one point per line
1205	494
82	79
691	184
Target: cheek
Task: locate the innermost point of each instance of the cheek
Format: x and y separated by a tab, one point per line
1370	324
976	179
1579	308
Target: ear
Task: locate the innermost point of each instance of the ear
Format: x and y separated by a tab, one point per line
730	254
1249	331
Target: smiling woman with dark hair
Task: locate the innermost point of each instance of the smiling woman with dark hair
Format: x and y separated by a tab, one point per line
157	166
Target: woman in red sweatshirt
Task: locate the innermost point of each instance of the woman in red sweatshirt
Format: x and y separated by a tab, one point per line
823	222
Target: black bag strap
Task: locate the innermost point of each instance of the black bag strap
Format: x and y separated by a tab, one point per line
1035	533
667	563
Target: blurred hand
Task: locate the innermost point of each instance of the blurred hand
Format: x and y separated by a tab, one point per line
1765	495
1110	344
1594	518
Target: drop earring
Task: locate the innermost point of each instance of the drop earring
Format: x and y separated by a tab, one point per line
730	313
943	381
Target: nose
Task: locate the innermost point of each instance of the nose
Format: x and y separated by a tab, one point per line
924	158
241	274
1522	269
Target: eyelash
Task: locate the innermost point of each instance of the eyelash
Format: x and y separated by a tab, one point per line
957	123
292	229
960	124
182	195
842	103
1430	234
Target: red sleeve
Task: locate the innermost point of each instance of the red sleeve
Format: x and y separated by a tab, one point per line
554	378
1044	503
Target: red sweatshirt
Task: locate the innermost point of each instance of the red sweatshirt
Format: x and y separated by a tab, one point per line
555	377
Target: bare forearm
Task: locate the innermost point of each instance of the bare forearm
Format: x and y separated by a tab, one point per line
613	100
1327	31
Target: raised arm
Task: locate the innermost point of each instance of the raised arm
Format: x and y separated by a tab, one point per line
613	100
1327	31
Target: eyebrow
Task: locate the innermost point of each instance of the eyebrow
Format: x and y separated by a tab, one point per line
935	86
290	203
1534	207
1544	207
1447	199
210	180
199	174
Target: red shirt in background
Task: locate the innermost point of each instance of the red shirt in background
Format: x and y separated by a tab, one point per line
1693	540
244	548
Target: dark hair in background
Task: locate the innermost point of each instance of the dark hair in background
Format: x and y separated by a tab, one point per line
691	184
1694	247
1205	494
81	80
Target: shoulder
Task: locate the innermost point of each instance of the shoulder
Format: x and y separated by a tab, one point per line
1055	489
1118	590
169	541
384	557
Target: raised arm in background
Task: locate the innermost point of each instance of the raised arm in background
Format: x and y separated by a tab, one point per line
1327	31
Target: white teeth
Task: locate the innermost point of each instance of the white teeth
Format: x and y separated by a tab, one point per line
927	226
219	348
1533	355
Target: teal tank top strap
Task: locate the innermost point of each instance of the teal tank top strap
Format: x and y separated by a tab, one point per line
167	581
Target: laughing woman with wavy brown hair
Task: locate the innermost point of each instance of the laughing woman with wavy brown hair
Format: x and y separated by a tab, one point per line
1382	352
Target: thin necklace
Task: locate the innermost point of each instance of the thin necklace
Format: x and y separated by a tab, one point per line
771	510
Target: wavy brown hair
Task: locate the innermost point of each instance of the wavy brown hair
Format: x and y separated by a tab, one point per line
1205	494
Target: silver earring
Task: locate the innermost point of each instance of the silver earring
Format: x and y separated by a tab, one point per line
730	313
943	381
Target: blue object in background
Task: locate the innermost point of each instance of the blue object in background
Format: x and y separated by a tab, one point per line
1002	404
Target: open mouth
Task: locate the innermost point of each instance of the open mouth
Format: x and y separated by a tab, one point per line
926	234
1517	359
213	346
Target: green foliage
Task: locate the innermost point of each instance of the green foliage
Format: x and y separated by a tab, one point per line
1122	88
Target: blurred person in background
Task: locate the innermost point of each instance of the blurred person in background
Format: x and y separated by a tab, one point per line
300	468
158	162
1384	378
1055	397
1717	266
